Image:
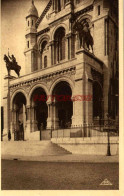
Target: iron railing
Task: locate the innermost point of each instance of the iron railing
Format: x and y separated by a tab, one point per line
98	128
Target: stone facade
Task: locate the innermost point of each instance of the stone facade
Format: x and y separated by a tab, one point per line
57	65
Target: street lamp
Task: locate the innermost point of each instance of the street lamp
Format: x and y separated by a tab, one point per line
108	145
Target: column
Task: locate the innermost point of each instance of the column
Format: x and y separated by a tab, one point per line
77	41
26	122
51	44
73	116
33	120
49	119
68	46
12	124
55	116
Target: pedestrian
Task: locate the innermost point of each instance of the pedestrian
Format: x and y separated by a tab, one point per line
9	135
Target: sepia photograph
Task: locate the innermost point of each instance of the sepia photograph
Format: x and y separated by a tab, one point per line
60	95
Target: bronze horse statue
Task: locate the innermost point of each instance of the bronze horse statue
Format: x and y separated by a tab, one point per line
85	37
12	65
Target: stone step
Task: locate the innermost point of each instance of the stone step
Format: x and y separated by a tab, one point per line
31	148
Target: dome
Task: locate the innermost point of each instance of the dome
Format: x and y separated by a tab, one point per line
33	11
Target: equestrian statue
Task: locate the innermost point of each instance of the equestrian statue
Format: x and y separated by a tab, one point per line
11	64
85	37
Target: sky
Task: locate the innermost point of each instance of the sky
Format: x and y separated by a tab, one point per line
13	30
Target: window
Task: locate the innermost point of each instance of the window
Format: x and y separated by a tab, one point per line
44	46
28	23
59	46
28	44
45	61
98	10
59	5
32	22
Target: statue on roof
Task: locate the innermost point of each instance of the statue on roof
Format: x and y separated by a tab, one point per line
11	64
85	37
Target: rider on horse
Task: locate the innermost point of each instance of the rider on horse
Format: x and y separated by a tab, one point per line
13	59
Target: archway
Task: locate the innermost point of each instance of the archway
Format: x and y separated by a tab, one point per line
19	115
97	101
39	112
63	105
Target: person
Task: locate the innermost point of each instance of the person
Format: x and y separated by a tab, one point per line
13	59
9	135
21	130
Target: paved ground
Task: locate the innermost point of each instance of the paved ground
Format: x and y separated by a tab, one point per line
67	158
35	175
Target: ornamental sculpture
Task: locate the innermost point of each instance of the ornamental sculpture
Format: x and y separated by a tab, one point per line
85	37
11	64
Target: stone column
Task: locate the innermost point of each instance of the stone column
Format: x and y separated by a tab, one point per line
55	115
51	44
33	120
67	47
73	116
49	119
6	105
28	122
12	123
77	41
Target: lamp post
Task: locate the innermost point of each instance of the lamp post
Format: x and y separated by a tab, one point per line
108	145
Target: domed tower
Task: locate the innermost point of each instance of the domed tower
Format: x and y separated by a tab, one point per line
31	42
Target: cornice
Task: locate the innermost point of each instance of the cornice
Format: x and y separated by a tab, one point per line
44	77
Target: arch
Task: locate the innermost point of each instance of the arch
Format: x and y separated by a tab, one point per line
60	25
38	102
66	79
15	93
40	85
43	38
86	16
99	84
63	104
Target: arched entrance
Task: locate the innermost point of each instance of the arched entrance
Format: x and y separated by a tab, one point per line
19	115
97	101
63	105
39	112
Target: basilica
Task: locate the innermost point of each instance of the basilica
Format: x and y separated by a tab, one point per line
71	69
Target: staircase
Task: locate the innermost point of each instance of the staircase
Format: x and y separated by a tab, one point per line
31	148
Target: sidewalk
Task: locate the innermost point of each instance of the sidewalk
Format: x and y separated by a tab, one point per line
67	158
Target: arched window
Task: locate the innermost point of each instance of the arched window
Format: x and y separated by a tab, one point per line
44	46
59	46
45	61
44	51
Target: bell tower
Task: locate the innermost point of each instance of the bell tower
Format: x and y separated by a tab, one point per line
31	42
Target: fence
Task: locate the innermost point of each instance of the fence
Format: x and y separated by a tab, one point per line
98	128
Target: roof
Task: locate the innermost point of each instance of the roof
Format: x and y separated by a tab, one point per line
32	11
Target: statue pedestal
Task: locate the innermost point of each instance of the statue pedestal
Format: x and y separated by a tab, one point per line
6	104
9	77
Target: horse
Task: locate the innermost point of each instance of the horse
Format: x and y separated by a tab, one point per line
85	37
12	66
